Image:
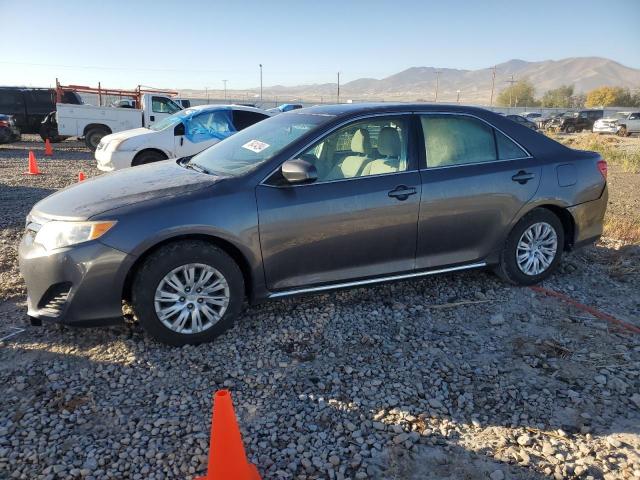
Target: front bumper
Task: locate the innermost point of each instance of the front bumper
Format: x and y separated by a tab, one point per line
79	285
113	160
606	128
589	219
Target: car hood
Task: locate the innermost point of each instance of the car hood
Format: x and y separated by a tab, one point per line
122	188
131	138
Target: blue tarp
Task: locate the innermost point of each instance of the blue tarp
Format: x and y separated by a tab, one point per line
201	126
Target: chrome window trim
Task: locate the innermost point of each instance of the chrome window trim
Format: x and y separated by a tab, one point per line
370	281
364	116
427	167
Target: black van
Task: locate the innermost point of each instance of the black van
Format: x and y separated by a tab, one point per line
29	106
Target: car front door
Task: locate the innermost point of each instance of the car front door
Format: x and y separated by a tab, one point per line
357	220
202	131
633	123
475	181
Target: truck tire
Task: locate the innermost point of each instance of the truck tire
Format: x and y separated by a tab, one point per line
148	156
570	129
93	136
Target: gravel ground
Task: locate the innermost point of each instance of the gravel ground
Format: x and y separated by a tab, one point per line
449	377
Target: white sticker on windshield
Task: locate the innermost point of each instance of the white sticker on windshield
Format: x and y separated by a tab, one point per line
255	146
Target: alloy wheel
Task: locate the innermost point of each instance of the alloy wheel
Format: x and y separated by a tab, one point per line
536	249
191	298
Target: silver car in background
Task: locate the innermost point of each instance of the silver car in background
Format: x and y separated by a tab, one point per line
621	123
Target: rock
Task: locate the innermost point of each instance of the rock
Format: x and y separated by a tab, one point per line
497	319
497	475
524	440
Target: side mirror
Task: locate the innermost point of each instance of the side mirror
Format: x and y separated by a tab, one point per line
299	171
179	129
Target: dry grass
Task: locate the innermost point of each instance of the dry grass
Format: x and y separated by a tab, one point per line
622	229
620	151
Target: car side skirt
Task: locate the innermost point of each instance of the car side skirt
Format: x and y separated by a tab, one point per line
369	281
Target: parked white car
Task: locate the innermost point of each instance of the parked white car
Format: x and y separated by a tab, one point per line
621	123
93	123
182	134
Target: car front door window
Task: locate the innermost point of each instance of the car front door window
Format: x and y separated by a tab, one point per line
370	147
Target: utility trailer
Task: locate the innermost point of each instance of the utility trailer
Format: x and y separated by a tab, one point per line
94	122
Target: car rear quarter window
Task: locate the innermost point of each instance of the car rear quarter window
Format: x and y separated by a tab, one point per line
507	148
457	140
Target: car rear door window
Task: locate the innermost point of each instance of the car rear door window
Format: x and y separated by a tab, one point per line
457	140
507	148
243	118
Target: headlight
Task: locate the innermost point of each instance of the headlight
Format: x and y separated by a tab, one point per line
58	234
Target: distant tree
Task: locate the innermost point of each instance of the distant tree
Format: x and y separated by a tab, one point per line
635	99
610	96
560	97
520	94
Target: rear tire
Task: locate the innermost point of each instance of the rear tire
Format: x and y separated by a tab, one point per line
191	299
148	156
514	258
93	136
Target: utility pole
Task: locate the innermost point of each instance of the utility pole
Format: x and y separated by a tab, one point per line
338	96
493	84
458	99
261	82
225	90
438	72
511	82
206	92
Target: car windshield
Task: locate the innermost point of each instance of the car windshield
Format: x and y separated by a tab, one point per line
251	147
173	120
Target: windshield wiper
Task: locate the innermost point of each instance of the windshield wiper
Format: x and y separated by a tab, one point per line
197	168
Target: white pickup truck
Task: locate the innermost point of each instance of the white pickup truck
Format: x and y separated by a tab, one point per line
93	122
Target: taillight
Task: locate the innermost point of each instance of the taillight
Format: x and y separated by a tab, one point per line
4	123
602	166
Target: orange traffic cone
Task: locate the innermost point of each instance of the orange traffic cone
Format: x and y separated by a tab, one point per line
48	150
227	459
33	165
81	177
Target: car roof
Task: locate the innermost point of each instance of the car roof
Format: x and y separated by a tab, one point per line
348	109
231	106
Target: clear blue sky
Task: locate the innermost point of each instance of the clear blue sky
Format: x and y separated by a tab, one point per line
194	43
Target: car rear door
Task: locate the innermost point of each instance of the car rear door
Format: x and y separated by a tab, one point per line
474	182
358	219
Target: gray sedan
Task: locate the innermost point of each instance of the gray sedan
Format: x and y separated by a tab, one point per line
310	200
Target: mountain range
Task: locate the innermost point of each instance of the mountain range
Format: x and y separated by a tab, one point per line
419	83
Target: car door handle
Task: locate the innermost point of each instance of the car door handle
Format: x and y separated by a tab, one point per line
523	177
402	192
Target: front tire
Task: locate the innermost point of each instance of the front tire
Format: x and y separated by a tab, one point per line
187	293
533	249
147	156
623	131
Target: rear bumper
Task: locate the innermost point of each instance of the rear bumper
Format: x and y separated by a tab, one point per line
589	219
79	285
